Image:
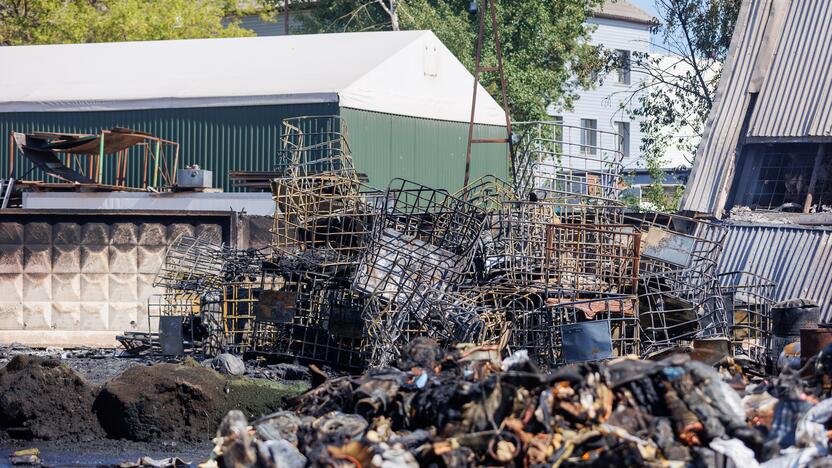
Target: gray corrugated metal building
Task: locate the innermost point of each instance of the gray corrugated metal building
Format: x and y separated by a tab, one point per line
406	99
796	258
764	149
775	88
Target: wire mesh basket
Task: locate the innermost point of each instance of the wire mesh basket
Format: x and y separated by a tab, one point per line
313	319
325	219
577	326
193	265
422	239
568	164
748	298
313	145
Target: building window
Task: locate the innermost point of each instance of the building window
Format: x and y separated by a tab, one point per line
786	177
623	66
589	136
623	130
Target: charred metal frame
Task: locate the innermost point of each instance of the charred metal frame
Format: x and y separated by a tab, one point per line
678	290
749	298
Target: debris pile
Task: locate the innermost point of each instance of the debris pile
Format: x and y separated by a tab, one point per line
553	264
40	398
468	408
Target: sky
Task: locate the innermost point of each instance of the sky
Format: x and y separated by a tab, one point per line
647	5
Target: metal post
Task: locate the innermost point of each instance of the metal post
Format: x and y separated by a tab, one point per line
156	165
176	162
144	168
814	180
477	69
100	158
286	16
11	154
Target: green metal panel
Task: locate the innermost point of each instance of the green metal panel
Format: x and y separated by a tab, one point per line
430	152
220	139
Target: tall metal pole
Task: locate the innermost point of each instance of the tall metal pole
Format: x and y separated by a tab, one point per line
286	16
487	7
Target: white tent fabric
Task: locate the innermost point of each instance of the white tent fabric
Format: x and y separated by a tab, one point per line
407	73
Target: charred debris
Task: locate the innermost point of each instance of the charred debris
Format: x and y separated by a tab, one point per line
554	264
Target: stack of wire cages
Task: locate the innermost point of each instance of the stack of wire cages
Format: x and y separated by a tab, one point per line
524	241
323	212
422	243
191	273
310	317
567	164
323	220
679	295
748	298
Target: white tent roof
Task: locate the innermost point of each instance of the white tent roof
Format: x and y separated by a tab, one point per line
407	73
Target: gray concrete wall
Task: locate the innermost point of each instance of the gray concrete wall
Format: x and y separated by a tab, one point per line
81	283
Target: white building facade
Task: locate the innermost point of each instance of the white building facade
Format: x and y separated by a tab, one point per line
623	29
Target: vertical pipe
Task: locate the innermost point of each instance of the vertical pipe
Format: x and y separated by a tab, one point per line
100	157
156	165
499	46
286	16
144	169
11	154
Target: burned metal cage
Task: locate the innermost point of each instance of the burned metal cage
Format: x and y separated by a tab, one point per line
748	298
526	246
324	219
576	326
312	318
192	264
422	239
679	294
597	257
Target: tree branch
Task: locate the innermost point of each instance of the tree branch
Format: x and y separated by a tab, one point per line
684	24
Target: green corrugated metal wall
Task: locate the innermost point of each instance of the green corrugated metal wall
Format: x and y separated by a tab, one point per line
430	152
220	139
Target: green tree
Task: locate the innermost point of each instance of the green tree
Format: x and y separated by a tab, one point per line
25	22
675	98
546	56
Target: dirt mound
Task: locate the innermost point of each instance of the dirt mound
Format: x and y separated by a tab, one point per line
42	399
162	402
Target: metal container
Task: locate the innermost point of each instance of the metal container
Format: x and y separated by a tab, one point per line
194	178
789	317
812	341
170	335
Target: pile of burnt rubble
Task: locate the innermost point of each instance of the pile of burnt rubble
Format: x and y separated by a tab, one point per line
468	408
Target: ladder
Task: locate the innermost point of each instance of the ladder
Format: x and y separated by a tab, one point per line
487	9
6	188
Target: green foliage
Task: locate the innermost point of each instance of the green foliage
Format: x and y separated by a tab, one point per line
544	43
678	93
25	22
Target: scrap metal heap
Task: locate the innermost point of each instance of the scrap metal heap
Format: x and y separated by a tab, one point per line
552	263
